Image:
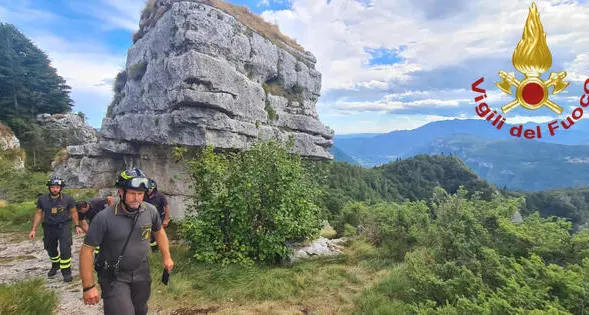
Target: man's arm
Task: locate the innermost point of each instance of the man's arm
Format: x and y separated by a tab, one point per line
91	295
162	242
74	213
84	226
94	238
166	215
36	220
87	265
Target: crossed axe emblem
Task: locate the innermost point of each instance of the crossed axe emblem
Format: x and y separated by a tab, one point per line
532	92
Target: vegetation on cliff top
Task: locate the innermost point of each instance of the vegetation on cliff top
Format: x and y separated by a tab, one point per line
152	12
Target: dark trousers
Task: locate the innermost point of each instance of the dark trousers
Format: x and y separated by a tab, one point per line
125	298
58	235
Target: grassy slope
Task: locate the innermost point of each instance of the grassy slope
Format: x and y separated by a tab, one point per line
329	285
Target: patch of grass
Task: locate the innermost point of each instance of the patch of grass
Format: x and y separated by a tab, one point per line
5	131
21	185
137	71
328	232
152	13
27	297
255	22
120	81
17	217
295	94
270	110
324	285
61	156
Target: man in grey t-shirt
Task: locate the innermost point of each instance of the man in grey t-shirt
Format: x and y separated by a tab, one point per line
126	282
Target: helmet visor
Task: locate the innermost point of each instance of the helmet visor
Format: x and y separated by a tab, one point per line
139	183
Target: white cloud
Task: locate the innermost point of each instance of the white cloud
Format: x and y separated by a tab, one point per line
112	14
533	119
578	69
24	13
84	65
339	32
409	99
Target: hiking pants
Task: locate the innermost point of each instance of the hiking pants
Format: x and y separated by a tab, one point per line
125	298
58	235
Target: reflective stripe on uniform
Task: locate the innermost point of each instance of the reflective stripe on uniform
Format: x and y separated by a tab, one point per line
54	260
65	263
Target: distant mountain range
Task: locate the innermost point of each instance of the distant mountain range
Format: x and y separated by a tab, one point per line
551	162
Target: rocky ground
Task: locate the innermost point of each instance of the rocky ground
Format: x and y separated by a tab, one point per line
21	259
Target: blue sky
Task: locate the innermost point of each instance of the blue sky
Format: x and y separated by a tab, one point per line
386	65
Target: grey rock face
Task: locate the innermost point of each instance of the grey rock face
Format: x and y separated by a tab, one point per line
196	77
67	129
200	77
10	147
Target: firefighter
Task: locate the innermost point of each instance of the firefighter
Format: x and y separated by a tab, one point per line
160	201
87	210
123	271
57	210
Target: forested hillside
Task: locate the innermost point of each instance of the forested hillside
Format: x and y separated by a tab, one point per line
410	179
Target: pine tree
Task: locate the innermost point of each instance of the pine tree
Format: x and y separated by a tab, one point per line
29	85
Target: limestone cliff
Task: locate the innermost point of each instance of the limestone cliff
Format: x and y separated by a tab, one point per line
67	129
197	75
11	155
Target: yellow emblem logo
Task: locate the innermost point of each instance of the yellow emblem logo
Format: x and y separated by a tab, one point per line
146	231
532	58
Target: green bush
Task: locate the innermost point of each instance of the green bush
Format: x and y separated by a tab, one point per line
470	258
27	297
247	206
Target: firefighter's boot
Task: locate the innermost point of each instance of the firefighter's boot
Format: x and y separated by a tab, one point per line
54	269
67	274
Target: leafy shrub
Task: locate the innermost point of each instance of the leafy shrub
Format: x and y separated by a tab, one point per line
247	206
27	297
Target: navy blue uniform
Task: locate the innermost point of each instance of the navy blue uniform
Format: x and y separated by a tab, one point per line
56	228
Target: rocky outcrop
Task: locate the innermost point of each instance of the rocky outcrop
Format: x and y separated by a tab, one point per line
319	247
10	150
67	129
197	76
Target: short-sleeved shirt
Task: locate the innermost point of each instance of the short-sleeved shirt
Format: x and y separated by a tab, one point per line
56	210
96	205
109	230
159	201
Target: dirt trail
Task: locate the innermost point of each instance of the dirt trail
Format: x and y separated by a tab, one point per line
21	258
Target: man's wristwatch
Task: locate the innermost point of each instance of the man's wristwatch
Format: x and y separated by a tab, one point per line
88	288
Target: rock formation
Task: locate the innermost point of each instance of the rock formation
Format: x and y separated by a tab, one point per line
67	129
197	75
10	151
